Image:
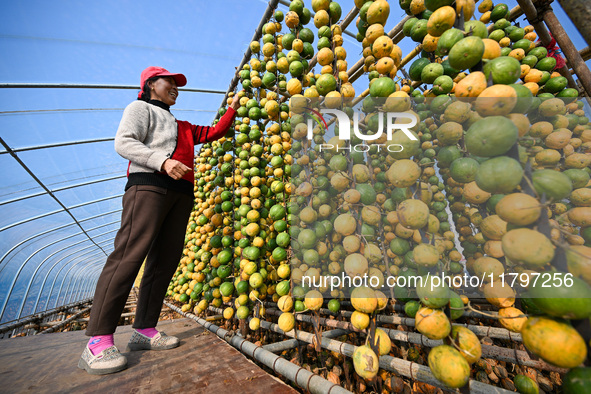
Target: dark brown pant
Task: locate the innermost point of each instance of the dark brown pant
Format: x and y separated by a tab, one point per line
153	224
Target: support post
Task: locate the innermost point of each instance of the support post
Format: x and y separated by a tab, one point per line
569	49
531	13
579	11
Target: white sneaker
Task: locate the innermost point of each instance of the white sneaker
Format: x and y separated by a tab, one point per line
108	361
160	341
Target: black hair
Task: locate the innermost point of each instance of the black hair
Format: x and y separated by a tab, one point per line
146	96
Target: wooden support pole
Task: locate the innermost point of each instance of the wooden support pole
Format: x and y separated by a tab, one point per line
531	13
350	17
398	29
402	367
411	55
568	49
579	11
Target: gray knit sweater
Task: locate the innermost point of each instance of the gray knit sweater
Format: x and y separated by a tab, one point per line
149	134
146	136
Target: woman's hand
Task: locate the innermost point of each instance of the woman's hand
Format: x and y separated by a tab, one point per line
175	169
235	103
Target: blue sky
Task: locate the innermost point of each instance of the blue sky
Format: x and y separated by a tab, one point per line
106	42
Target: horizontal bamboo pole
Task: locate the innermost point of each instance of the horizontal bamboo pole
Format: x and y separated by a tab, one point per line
13	325
405	368
518	357
18	85
282	346
485	331
396	33
300	376
65	322
411	55
586	53
292	343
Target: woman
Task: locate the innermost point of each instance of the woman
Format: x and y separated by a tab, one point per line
156	207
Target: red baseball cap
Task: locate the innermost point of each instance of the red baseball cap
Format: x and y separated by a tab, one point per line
152	72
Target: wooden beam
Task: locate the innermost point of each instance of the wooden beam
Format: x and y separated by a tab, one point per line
531	13
579	12
568	49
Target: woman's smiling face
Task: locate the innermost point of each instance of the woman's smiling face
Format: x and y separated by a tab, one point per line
165	90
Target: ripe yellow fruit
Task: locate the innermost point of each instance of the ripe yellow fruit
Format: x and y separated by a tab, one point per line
294	86
385	344
531	36
467	343
485	18
228	313
313	300
417	6
512	321
486	5
285	303
496	100
519	209
373	32
364	299
286	321
254	323
385	65
321	19
534	75
517	53
366	362
268	49
432	323
441	20
292	19
360	320
382	47
325	56
333	99
533	87
430	43
556	342
492	49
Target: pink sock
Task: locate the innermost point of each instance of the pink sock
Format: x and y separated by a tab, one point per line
149	332
99	343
